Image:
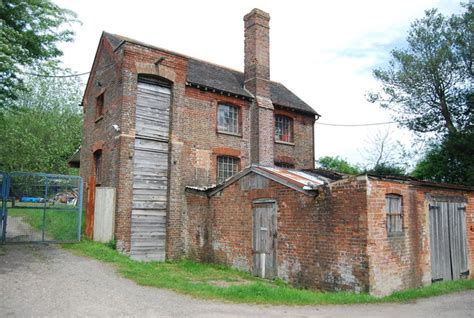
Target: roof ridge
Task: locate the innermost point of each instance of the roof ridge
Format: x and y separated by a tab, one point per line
126	38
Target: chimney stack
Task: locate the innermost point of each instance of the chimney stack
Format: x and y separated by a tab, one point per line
257	82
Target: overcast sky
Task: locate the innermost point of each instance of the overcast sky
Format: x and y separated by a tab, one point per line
323	51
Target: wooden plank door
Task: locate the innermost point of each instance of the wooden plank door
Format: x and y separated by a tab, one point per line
150	172
264	239
448	240
439	242
458	244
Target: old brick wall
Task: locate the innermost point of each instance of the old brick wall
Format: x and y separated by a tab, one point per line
402	261
321	241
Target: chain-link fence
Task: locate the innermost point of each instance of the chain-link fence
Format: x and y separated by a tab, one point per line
38	207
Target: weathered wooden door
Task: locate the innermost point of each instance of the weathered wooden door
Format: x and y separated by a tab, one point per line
264	238
150	171
448	239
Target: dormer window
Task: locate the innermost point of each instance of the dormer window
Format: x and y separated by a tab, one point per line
283	128
228	119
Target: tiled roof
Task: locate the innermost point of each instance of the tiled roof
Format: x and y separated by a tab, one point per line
224	79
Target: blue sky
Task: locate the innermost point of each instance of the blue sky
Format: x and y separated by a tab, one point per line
324	51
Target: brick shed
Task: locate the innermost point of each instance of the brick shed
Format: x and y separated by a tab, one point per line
363	233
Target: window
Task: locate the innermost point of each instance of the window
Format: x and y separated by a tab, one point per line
98	166
226	167
228	119
99	106
283	129
285	165
393	208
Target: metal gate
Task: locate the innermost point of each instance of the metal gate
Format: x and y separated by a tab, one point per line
39	207
449	260
264	238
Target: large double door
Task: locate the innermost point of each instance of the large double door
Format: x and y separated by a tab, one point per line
449	259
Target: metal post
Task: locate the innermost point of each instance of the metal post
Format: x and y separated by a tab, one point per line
45	206
262	264
79	206
5	195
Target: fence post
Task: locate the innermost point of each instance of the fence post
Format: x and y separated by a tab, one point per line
90	208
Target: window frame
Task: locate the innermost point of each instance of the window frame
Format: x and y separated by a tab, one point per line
394	219
235	164
290	120
237	120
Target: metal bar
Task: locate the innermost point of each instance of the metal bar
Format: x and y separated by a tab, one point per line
45	175
79	207
5	194
44	208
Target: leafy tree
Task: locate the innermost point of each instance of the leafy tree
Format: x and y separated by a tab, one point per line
43	129
427	84
450	161
337	164
29	33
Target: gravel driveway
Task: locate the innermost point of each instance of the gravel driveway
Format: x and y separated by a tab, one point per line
41	280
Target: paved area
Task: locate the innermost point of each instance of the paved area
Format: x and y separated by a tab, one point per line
45	281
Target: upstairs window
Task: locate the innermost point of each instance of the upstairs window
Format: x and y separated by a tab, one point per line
283	128
228	119
99	106
98	166
226	167
393	209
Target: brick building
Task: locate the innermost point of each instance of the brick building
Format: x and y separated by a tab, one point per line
156	121
217	164
362	234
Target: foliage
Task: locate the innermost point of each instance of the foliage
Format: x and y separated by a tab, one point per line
210	281
386	169
43	130
29	33
450	161
427	85
338	164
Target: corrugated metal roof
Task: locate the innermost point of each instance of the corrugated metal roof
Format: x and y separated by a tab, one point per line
301	179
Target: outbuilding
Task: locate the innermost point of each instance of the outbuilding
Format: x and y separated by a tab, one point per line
333	232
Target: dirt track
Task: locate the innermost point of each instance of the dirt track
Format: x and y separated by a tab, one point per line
41	280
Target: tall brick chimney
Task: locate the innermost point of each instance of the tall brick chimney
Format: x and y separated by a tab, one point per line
257	82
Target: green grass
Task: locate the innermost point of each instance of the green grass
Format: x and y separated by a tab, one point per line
60	225
219	282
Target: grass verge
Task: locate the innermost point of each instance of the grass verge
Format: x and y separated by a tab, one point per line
60	225
219	282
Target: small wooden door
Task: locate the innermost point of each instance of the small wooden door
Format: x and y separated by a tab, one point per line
448	239
264	238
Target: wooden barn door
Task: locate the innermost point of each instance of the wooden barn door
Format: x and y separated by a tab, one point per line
264	238
448	239
150	172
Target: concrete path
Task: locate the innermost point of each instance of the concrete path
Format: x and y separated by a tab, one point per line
45	281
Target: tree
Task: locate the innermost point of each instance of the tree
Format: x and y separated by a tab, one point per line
450	161
338	164
384	156
43	129
427	85
29	33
